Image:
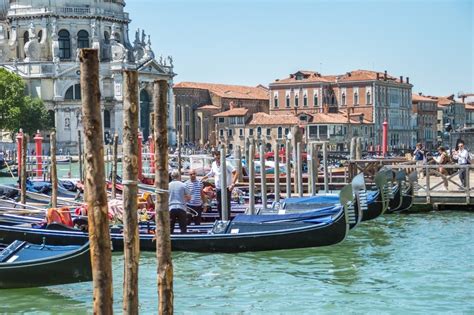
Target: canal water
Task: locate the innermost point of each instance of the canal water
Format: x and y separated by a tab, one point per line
396	264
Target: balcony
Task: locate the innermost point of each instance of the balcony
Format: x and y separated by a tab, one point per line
69	11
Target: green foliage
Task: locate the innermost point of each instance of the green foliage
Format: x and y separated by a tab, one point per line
18	110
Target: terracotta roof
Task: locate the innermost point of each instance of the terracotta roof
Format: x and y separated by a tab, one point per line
209	107
229	91
469	106
421	98
240	111
263	119
356	75
364	75
332	118
308	76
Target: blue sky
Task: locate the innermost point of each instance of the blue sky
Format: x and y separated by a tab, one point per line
252	42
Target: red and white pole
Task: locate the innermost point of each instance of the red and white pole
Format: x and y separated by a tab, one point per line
140	168
39	151
384	138
19	149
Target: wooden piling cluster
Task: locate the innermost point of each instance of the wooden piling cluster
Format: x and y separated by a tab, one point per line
293	160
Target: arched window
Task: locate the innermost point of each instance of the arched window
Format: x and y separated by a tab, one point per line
356	98
64	44
26	37
280	132
275	101
368	97
287	101
117	37
40	35
106	38
305	100
73	93
51	118
343	99
296	100
145	108
106	118
82	39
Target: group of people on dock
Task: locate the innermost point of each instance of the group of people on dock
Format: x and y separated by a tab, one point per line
459	155
191	195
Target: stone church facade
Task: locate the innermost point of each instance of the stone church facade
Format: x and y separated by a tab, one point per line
40	41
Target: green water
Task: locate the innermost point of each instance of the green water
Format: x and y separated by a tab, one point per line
397	264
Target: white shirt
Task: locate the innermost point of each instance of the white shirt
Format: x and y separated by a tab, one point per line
462	157
216	172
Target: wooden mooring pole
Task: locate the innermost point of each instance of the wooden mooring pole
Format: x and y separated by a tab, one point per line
23	170
54	172
114	166
180	144
163	241
263	176
277	172
299	167
238	160
325	167
224	202
251	179
358	150
131	237
96	195
288	168
81	156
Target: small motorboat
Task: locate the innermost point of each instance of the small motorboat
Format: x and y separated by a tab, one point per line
25	265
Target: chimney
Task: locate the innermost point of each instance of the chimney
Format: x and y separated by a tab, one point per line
401	79
420	93
378	77
408	80
385	75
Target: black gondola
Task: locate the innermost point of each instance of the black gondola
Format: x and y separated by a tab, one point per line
243	233
403	196
24	265
368	204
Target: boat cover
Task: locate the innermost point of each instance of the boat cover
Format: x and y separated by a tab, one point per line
326	199
320	216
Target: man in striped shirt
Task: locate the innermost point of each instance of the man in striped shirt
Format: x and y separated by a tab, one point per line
195	186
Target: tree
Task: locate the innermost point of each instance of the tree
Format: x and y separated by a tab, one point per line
18	110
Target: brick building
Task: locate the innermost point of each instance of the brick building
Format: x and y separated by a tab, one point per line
198	103
361	96
425	115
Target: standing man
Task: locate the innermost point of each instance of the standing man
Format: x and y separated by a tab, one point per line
419	157
195	186
178	196
462	156
232	177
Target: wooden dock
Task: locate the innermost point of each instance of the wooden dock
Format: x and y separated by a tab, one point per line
433	186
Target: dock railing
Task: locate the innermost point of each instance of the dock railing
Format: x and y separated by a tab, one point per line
434	183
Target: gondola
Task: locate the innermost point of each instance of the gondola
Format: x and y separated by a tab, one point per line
407	192
403	195
373	203
243	233
24	265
